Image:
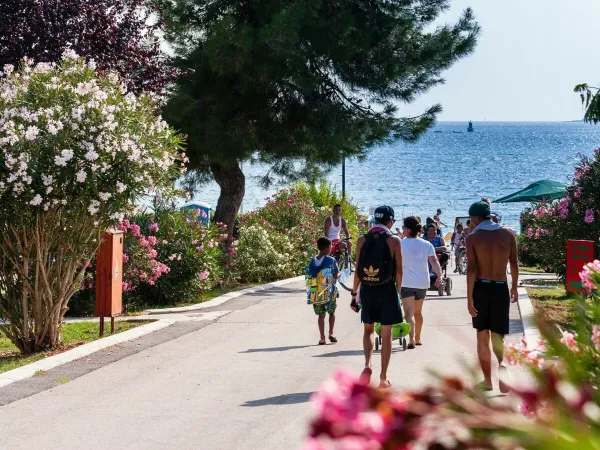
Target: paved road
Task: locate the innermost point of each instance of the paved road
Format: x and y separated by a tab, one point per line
241	381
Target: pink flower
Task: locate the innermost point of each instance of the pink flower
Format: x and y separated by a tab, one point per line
568	339
564	213
125	257
578	192
231	251
153	227
596	336
529	232
144	242
152	253
135	229
152	240
125	286
589	216
203	275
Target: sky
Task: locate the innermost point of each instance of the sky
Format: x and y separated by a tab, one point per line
530	56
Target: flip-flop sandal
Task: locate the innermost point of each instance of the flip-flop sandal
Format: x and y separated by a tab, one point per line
386	385
410	346
322	342
504	388
484	387
333	339
365	376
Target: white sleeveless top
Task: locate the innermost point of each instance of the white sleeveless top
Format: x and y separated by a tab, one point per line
334	232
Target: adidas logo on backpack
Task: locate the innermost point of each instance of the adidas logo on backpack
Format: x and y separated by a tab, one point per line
376	262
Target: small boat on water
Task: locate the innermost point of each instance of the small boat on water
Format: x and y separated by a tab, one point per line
470	129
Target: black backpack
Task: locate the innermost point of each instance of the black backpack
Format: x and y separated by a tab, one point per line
376	264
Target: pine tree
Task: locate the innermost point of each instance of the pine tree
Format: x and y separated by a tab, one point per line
301	85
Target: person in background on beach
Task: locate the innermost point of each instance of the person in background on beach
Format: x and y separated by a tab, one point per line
490	247
430	221
458	242
438	219
379	276
334	224
323	272
417	254
437	241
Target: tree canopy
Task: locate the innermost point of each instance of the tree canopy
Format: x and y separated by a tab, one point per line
119	35
308	82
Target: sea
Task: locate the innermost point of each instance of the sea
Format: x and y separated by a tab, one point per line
449	168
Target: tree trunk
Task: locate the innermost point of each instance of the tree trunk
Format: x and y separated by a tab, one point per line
232	182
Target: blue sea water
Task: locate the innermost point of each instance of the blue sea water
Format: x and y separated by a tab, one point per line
449	168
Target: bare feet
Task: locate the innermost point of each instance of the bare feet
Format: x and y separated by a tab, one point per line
384	384
502	375
365	376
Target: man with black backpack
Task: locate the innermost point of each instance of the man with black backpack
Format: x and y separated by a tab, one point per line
379	274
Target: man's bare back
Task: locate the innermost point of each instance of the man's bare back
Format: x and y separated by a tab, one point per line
492	251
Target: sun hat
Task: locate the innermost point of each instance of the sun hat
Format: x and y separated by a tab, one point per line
383	214
480	209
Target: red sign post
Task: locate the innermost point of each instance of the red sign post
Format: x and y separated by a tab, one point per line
579	253
109	278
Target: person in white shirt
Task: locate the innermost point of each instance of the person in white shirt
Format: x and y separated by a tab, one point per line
416	254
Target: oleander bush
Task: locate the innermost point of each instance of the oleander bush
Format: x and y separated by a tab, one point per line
546	227
76	151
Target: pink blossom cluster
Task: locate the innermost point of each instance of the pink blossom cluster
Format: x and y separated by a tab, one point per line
590	275
541	232
521	354
589	216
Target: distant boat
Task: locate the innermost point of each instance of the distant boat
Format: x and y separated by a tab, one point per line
470	129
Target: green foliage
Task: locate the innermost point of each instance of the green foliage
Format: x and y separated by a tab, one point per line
547	227
590	101
296	216
263	255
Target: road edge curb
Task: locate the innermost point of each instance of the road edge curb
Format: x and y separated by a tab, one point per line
223	298
29	370
527	312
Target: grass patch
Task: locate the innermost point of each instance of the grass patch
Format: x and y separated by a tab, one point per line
39	373
555	305
73	335
531	269
63	380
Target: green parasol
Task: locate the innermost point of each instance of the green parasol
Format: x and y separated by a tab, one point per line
543	190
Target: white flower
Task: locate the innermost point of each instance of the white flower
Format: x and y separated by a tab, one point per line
60	161
32	133
93	208
8	69
121	187
91	155
118	216
104	196
37	200
81	176
70	54
49	189
47	180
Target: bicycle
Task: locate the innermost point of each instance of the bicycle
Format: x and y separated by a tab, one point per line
345	263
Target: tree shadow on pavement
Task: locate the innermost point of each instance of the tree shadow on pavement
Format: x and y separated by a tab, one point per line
285	399
276	349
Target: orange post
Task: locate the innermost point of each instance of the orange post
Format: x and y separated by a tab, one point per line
109	278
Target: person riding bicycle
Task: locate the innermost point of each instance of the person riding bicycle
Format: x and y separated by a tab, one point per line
333	225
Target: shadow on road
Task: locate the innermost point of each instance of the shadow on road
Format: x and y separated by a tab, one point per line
276	349
286	399
340	353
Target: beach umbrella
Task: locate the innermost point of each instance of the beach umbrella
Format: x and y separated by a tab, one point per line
542	190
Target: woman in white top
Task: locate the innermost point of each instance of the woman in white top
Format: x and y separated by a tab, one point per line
416	254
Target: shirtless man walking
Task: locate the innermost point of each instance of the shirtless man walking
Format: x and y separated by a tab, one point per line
490	247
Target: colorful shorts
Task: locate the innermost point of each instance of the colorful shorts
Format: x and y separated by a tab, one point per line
323	308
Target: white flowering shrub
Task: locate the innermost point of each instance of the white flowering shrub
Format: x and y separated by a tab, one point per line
261	256
76	150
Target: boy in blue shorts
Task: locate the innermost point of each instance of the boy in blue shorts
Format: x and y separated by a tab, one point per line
321	275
